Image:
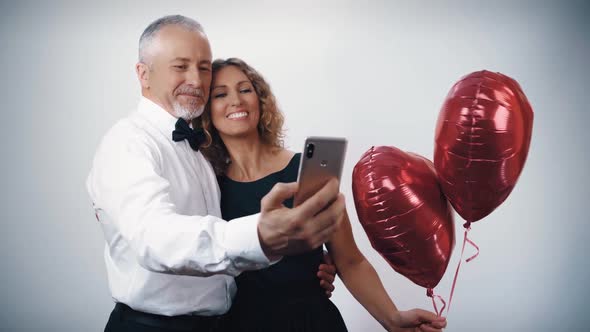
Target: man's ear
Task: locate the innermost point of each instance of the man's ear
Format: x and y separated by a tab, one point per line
143	74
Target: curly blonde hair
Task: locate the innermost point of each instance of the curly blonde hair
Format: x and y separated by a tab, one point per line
270	124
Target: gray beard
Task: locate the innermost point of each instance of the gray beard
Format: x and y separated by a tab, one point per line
187	113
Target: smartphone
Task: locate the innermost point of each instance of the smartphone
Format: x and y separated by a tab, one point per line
322	159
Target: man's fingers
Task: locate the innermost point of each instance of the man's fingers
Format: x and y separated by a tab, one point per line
304	225
332	216
320	199
317	238
278	194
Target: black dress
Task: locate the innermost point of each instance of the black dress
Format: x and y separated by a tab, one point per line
287	295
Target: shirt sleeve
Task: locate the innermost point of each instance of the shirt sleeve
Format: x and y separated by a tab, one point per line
125	184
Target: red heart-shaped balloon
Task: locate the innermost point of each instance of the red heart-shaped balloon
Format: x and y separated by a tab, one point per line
404	213
482	141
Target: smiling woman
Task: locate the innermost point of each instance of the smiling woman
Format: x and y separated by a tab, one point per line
234	106
238	84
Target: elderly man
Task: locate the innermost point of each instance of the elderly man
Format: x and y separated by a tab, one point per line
170	257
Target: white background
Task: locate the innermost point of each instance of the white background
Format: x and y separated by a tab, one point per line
376	73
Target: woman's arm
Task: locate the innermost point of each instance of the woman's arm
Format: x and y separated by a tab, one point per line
361	279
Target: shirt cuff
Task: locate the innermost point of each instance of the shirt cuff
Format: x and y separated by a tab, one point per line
244	245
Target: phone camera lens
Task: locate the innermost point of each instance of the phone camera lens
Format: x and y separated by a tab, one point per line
309	150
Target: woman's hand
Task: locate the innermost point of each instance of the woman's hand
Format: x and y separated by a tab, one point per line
417	320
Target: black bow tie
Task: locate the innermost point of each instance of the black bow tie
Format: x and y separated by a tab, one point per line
194	137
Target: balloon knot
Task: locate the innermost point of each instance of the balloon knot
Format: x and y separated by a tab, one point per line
467	225
429	292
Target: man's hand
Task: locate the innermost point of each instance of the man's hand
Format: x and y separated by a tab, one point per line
327	274
283	231
417	320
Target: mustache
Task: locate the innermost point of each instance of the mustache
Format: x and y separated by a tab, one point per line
187	90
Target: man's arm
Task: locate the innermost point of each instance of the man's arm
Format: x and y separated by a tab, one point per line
125	183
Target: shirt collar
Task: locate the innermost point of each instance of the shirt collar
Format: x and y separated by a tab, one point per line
157	116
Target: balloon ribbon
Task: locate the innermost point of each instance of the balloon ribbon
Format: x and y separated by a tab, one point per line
467	226
430	293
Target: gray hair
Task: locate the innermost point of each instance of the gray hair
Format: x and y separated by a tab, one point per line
152	30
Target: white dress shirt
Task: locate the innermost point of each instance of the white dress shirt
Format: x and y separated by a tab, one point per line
167	250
